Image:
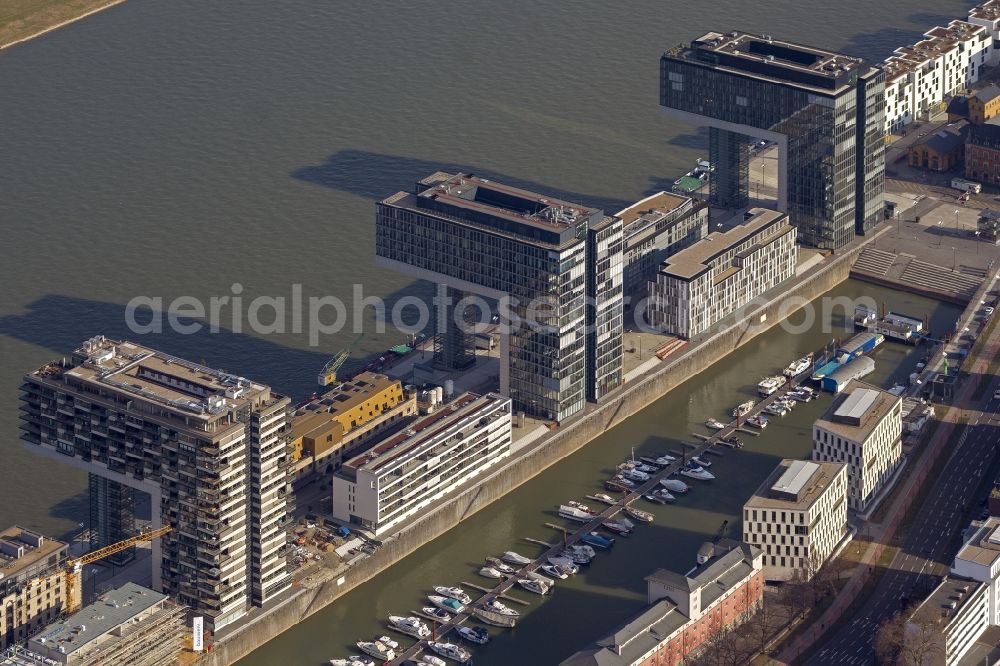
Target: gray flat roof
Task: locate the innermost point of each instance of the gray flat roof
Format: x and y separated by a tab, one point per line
695	260
858	428
810	490
113	608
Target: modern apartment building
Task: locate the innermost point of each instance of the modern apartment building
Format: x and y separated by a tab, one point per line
685	612
555	266
863	429
979	560
655	228
945	626
211	449
824	110
988	15
128	626
797	517
32	583
401	476
724	271
919	78
332	427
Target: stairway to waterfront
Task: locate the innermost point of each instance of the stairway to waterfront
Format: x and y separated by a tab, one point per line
905	271
874	262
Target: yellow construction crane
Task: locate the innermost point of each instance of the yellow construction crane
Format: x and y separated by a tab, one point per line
328	374
74	567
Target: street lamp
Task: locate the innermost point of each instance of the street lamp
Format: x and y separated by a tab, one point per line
939	232
953	263
956	219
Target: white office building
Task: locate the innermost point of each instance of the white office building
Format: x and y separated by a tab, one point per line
406	473
797	517
945	627
862	428
700	285
920	77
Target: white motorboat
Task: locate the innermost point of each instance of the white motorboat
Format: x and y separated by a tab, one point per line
659	496
554	571
622	481
715	424
449	604
776	409
642	467
476	635
796	368
581	506
574	513
701	462
499	565
675	485
584	548
743	408
665	460
653	462
697	473
437	613
354	660
490	572
431	660
514	558
450	651
532	585
635	475
385	640
565	564
759	422
534	575
497	606
454	593
411	626
639	514
606	499
769	385
377	649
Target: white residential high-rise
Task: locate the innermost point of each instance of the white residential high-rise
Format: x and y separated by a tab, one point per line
211	449
797	517
919	78
862	428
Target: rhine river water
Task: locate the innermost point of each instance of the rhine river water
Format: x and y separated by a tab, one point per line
175	148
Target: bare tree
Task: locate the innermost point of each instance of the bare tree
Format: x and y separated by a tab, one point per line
909	640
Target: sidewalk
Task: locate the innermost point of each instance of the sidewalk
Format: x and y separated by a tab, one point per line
882	534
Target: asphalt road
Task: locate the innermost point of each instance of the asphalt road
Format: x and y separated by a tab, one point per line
928	547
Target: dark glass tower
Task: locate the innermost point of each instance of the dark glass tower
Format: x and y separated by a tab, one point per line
825	111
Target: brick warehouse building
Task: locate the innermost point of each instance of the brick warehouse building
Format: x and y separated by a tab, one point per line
685	611
982	153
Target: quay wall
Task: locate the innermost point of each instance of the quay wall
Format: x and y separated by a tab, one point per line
536	457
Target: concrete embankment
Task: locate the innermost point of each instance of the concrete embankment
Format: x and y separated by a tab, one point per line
60	24
536	457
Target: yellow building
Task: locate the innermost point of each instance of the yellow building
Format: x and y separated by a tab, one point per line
984	104
339	422
32	585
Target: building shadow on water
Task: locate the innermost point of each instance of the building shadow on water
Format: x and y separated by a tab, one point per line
60	323
377	175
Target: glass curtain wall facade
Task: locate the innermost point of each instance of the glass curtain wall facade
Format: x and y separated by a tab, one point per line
810	97
486	238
